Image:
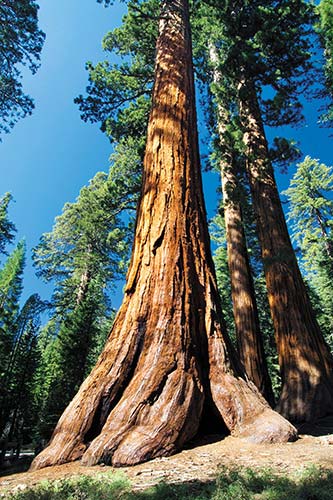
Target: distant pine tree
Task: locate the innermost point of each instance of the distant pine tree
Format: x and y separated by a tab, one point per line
7	228
11	276
85	254
311	216
21	45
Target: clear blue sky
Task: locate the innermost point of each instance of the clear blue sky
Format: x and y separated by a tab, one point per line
49	156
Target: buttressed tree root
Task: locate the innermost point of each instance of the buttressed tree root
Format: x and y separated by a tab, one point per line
168	360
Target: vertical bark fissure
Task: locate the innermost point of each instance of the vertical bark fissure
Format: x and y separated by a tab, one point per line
249	337
170	365
305	360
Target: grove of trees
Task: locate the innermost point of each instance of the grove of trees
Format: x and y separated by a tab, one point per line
236	342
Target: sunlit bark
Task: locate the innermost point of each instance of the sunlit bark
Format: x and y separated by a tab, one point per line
305	360
165	364
249	338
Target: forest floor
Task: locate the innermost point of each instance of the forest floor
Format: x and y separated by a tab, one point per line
204	460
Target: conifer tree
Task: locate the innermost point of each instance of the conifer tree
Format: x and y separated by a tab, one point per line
119	94
249	337
167	359
10	291
301	347
18	412
311	210
311	215
88	239
254	34
21	44
83	255
7	228
18	353
325	30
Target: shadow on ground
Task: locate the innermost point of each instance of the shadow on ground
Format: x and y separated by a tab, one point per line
322	427
231	484
16	466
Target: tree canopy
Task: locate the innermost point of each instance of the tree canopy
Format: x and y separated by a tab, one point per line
21	44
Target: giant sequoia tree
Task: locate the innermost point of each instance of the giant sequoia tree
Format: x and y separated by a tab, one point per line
168	360
254	36
249	338
305	360
83	255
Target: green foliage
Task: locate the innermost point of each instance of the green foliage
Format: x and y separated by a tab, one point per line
18	351
113	487
88	239
85	254
232	484
17	401
247	484
311	214
311	209
10	292
119	94
47	372
325	30
217	232
21	44
7	228
250	38
69	357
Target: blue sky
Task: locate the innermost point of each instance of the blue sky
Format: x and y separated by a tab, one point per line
49	156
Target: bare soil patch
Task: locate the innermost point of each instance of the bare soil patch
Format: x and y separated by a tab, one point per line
204	459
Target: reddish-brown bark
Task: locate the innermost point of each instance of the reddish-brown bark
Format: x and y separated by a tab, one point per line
248	334
305	360
165	360
249	338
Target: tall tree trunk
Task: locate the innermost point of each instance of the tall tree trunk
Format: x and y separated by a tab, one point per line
324	229
165	359
305	360
83	286
249	337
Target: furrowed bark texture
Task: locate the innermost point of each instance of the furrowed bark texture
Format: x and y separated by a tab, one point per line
305	360
165	360
249	338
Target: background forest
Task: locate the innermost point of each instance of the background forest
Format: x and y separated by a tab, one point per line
51	337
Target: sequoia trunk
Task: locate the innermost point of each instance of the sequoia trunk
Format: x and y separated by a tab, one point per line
165	359
249	338
305	360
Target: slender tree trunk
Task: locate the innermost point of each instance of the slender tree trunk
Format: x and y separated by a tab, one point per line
85	278
83	287
249	338
165	360
324	232
305	360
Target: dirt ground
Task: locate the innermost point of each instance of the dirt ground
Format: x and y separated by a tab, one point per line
202	461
